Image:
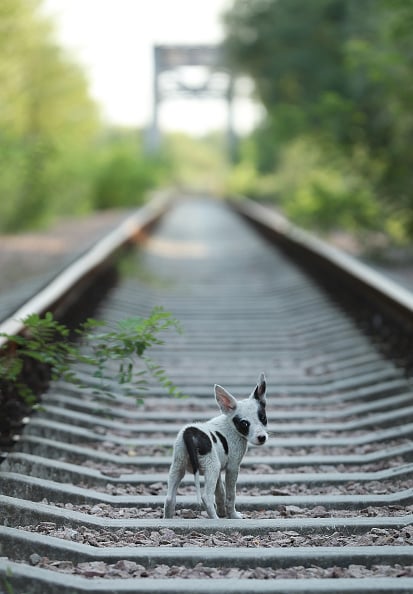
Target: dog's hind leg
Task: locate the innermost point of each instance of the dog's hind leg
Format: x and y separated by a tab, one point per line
176	474
220	497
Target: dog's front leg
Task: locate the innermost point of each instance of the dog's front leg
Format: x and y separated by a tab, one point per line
230	487
212	477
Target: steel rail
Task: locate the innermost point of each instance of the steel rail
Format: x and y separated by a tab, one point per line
61	288
316	253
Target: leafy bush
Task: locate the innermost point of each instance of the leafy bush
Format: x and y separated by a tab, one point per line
123	180
324	191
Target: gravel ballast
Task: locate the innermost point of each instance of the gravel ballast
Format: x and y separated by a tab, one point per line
169	538
130	569
104	510
351	487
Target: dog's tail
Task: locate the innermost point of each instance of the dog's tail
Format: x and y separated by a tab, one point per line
191	443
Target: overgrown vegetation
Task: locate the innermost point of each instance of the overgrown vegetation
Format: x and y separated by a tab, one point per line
336	79
48	122
117	356
125	173
56	157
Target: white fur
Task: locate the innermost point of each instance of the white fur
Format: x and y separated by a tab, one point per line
219	500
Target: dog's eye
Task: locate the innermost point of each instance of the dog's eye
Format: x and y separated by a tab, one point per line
241	425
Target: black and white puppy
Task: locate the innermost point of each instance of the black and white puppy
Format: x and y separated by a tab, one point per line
216	445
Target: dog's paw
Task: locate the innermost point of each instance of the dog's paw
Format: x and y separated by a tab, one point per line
235	515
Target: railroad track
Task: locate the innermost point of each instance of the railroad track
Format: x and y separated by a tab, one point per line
327	502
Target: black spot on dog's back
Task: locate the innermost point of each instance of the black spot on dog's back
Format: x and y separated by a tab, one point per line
196	442
223	441
199	438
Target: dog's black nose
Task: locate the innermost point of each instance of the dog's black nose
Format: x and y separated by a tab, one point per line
261	438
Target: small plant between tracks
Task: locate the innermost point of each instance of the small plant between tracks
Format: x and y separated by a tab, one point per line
118	352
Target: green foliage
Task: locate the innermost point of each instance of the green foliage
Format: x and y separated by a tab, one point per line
322	192
47	121
125	174
45	341
124	346
337	76
117	355
55	158
280	41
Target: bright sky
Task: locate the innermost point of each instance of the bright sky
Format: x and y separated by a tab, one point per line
113	40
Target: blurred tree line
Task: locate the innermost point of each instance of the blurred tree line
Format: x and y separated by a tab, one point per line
336	80
56	157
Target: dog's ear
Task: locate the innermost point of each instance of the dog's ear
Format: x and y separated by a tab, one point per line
260	388
226	401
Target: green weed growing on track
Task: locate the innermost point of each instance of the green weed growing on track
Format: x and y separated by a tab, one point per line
116	353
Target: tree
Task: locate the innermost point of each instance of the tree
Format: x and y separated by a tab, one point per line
338	72
47	121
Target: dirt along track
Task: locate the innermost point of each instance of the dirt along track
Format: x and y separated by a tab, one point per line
327	502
